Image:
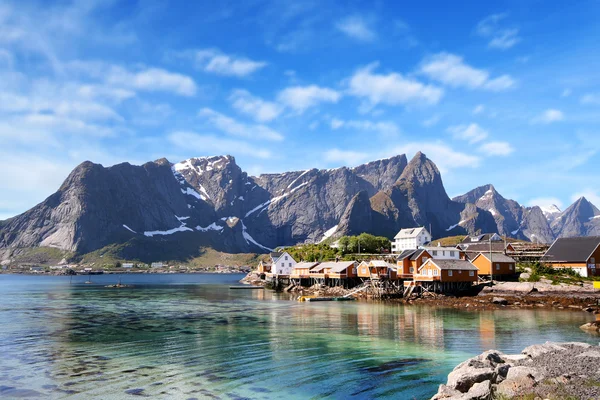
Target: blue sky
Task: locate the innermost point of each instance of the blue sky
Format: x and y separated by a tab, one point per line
493	92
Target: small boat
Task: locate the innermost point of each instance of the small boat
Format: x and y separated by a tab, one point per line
248	287
330	299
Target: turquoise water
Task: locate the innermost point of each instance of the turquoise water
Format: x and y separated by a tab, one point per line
189	336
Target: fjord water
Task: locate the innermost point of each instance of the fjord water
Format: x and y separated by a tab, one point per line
190	336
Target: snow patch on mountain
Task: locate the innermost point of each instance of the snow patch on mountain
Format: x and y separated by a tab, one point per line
328	233
249	238
211	227
129	229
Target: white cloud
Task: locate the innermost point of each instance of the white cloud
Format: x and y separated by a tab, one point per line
499	37
209	144
545	202
497	149
344	156
549	116
391	89
357	28
451	70
385	128
232	127
590	98
590	194
255	107
471	133
152	80
478	109
336	123
300	98
214	61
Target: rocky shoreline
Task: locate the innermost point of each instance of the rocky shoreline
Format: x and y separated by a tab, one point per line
544	371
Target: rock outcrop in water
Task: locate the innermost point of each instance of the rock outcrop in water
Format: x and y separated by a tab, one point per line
550	370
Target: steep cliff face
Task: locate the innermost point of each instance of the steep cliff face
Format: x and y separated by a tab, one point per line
510	218
582	218
167	208
206	200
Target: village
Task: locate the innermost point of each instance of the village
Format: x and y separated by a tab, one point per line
417	266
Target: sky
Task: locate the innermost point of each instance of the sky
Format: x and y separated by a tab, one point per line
500	92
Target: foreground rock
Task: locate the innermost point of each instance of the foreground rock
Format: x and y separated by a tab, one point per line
550	370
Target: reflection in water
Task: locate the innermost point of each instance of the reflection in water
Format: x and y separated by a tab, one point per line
201	340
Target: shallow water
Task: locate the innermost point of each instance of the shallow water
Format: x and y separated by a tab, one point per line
189	336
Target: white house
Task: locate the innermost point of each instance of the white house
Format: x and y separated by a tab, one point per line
127	265
157	264
442	253
410	239
283	263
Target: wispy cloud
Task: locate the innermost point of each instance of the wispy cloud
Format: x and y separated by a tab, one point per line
432	121
546	202
387	129
590	194
345	156
300	98
216	62
210	145
391	88
549	116
590	99
452	71
152	80
499	37
478	109
235	128
255	107
497	148
471	133
357	28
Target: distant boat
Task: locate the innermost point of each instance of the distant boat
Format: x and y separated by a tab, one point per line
89	279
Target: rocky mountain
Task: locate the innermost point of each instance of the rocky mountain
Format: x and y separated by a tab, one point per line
162	210
551	212
511	219
582	218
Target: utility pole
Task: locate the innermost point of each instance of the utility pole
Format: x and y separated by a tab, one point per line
491	265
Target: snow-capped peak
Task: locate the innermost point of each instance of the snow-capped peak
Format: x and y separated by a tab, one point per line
550	209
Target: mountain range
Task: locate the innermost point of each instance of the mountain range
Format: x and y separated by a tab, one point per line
171	211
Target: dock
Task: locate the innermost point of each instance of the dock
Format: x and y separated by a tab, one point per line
248	287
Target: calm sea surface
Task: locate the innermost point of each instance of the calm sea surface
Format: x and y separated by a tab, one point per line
189	336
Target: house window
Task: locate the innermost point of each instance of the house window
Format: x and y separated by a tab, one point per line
282	265
435	272
497	267
354	270
511	267
434	253
471	273
449	273
429	272
411	270
452	254
593	260
290	265
286	258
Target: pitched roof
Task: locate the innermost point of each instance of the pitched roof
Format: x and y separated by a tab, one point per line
378	263
418	253
409	233
338	266
405	254
496	257
304	265
576	249
275	255
451	265
436	248
497	247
